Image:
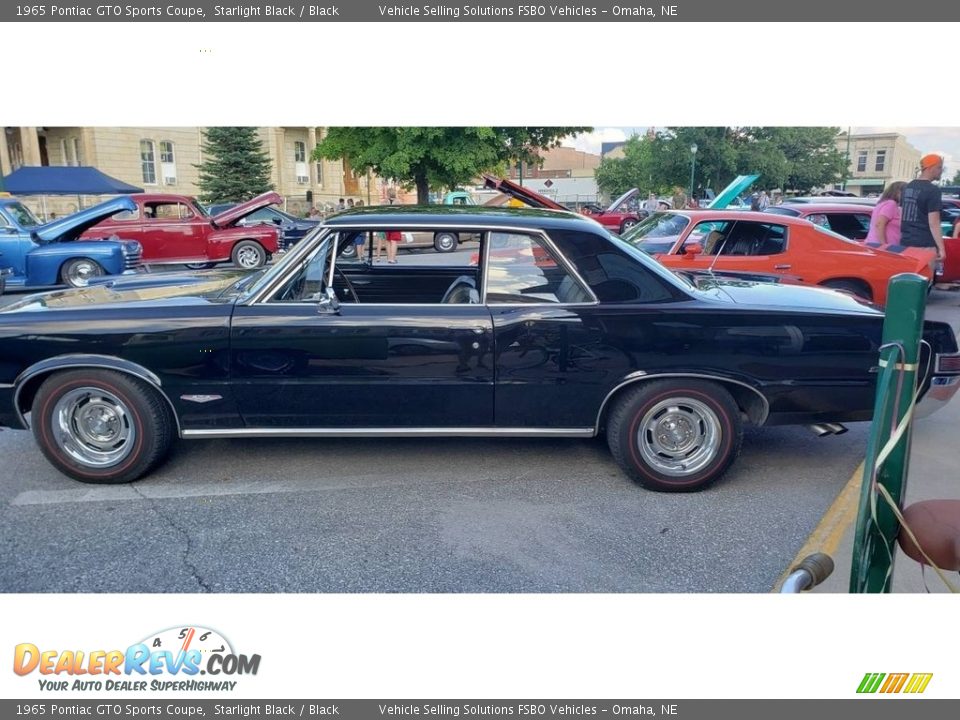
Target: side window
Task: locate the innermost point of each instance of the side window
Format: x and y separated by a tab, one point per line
4	223
855	227
127	215
171	211
520	269
710	236
752	238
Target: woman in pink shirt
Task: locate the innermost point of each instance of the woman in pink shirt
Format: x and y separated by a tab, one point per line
885	219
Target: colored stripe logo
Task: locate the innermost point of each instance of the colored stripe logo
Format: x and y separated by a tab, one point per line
913	683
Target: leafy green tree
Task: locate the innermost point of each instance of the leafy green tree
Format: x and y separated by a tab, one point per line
785	157
235	165
436	157
956	178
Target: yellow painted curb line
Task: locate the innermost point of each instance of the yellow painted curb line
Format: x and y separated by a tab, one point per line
828	533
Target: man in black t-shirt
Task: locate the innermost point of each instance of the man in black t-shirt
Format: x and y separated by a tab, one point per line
920	208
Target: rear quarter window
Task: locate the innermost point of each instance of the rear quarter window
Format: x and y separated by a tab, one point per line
612	275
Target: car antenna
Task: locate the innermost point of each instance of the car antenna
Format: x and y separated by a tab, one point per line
722	245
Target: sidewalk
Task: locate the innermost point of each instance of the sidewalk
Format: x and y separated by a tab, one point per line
933	474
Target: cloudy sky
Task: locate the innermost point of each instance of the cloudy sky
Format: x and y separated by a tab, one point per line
942	140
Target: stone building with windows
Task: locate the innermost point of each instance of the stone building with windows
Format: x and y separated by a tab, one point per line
876	160
165	159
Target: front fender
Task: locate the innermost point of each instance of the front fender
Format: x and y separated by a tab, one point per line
44	262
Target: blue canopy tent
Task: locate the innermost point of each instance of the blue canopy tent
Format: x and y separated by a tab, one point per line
64	180
59	180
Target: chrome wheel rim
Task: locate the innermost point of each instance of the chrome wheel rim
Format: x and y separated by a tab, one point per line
248	257
93	427
445	241
679	436
80	273
627	224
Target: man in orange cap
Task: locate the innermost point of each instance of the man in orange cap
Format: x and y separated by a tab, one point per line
920	208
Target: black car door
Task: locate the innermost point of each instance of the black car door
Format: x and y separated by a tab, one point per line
300	360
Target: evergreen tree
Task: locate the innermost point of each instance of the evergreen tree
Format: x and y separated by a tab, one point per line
235	166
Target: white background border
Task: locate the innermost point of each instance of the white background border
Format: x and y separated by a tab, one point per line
598	74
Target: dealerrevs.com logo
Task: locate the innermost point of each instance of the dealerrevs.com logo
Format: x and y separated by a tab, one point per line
172	659
910	683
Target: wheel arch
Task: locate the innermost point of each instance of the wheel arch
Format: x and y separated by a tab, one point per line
750	400
29	381
860	282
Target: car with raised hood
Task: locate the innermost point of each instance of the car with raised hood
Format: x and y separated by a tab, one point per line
176	229
565	332
622	214
292	229
775	244
34	255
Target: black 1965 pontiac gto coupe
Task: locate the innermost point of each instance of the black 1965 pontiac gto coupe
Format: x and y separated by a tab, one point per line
549	326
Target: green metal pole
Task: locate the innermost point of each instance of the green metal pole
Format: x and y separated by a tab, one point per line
875	539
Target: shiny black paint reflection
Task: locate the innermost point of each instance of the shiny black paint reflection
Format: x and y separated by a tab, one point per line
366	366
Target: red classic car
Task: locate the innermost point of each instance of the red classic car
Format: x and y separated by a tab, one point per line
175	229
853	221
622	214
774	244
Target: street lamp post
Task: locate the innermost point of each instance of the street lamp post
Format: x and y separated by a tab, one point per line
693	166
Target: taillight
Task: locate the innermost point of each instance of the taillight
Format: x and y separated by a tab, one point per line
948	364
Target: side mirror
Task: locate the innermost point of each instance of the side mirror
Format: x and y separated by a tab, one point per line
693	249
329	304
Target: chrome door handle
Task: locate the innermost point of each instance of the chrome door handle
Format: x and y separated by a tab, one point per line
781	267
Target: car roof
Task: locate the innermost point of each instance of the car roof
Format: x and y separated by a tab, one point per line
160	197
752	216
811	208
467	215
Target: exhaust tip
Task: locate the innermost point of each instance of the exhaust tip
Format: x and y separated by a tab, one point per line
820	429
837	428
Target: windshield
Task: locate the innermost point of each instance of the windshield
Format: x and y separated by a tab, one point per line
200	209
272	273
658	233
21	215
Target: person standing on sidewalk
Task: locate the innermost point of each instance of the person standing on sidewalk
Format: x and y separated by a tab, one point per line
920	208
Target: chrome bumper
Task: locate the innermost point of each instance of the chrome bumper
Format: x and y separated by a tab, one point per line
942	389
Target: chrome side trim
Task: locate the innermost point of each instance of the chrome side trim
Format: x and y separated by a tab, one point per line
100	362
644	375
389	432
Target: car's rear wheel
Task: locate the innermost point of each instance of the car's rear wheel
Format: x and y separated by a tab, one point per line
856	287
248	254
199	266
446	241
675	435
101	426
78	272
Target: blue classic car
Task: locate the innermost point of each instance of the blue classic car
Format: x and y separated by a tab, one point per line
554	328
38	256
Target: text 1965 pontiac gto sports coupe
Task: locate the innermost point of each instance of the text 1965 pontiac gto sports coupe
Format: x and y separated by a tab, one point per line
559	330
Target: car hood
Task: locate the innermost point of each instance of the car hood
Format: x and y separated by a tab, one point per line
620	200
238	212
147	287
739	186
518	192
72	226
771	295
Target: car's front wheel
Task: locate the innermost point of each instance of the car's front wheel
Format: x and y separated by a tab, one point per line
627	224
101	426
199	266
446	241
78	272
248	255
675	435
